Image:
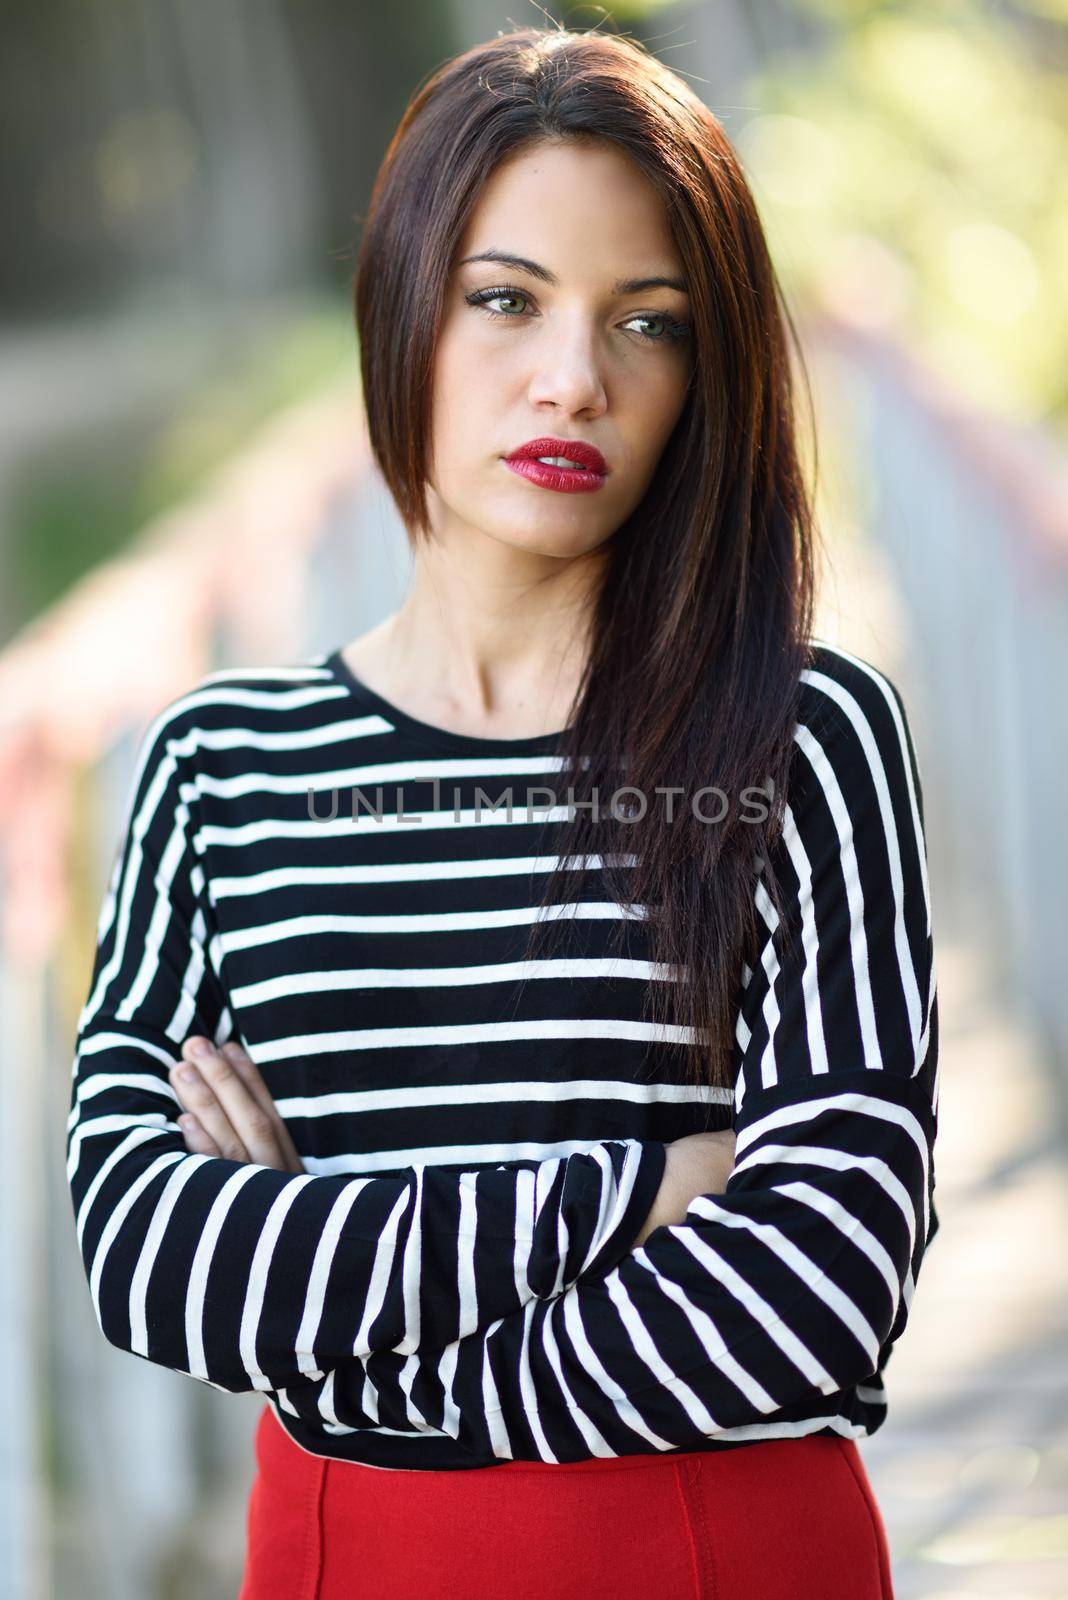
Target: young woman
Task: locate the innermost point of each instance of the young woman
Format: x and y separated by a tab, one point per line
551	965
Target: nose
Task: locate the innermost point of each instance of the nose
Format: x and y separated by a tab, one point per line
568	374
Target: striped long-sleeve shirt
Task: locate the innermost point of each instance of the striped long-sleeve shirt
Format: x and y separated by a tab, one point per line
453	1281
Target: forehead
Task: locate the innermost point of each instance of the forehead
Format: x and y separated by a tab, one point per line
577	206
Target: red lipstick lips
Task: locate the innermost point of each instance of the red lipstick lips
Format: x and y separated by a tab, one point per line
588	472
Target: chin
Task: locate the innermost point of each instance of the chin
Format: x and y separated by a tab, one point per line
560	543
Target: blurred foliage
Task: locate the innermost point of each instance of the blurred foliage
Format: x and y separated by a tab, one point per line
914	171
192	165
614	18
79	505
226	148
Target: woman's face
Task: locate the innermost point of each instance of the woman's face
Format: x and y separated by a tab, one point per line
565	348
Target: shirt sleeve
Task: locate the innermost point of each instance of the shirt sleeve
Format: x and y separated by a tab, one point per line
779	1296
245	1277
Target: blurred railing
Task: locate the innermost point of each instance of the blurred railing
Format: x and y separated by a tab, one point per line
973	514
118	1479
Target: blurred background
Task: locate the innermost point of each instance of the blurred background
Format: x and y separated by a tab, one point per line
185	484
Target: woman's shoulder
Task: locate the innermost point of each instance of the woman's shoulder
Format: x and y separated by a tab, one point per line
843	695
853	744
240	696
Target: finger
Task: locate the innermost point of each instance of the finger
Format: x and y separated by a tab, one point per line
197	1141
198	1097
256	1128
250	1075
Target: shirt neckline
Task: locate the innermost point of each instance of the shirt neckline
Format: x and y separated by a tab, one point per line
429	734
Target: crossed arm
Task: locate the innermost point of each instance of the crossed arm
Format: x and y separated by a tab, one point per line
785	1290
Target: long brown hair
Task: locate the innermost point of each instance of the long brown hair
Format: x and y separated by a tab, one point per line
701	626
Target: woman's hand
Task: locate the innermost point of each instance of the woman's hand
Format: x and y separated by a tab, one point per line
229	1110
700	1163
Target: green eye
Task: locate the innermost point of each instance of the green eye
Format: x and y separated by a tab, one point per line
675	331
481	296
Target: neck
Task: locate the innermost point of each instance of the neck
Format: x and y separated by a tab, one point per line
505	643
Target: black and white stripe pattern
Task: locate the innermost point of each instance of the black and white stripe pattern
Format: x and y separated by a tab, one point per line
454	1281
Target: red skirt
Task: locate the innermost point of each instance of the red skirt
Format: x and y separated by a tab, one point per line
781	1519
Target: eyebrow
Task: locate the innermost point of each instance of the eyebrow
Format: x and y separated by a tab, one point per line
621	285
